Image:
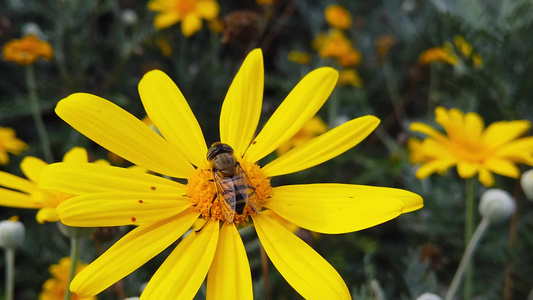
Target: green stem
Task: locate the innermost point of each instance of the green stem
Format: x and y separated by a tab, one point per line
392	87
469	229
36	112
10	273
74	256
463	266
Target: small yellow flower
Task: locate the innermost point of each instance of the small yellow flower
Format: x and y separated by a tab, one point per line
437	54
9	143
477	60
55	287
299	57
464	47
338	17
164	209
27	50
24	193
350	77
471	147
335	44
310	130
189	12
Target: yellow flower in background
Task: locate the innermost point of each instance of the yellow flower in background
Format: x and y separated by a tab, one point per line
189	12
437	54
350	77
24	193
383	44
335	44
164	46
473	148
477	60
165	209
27	50
338	17
55	287
9	143
462	45
299	57
311	129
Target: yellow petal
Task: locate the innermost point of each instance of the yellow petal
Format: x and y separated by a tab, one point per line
190	24
521	149
130	252
208	9
340	208
167	108
433	166
120	132
499	133
166	19
229	276
301	104
242	106
423	128
304	269
502	166
79	179
474	126
11	198
466	169
117	209
486	178
17	183
47	214
32	167
323	147
76	155
183	272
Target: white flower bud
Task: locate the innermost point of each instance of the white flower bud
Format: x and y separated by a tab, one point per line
496	205
11	233
31	28
527	184
129	17
428	296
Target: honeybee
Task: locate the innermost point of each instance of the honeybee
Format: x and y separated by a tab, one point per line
233	188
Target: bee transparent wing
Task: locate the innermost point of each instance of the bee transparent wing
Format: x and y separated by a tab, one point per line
251	197
226	196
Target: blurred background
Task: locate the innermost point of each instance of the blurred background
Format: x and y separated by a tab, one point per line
398	60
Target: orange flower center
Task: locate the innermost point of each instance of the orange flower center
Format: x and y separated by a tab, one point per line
475	152
184	7
211	201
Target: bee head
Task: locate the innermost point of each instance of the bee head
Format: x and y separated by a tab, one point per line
218	148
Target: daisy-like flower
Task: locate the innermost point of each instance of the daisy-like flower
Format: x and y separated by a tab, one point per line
9	143
27	50
55	287
164	209
473	148
189	12
24	193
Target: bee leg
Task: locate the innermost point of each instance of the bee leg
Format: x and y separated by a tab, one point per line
206	221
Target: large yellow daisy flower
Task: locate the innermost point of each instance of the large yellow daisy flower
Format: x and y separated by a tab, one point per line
189	12
165	209
474	149
24	193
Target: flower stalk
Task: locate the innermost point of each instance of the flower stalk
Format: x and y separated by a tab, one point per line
10	272
74	256
469	229
34	106
467	256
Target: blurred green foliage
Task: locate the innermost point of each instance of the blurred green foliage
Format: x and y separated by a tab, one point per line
98	50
